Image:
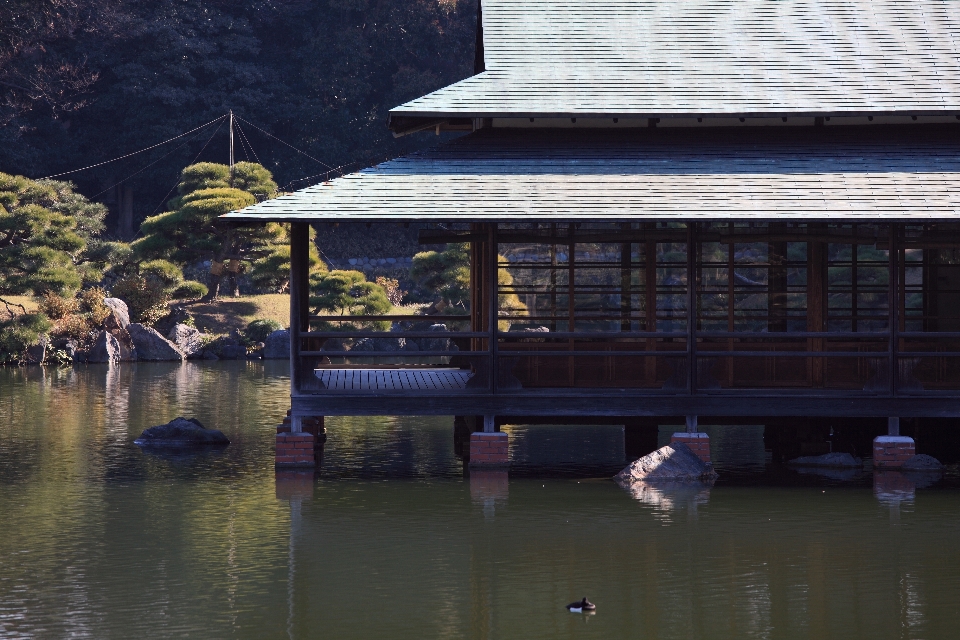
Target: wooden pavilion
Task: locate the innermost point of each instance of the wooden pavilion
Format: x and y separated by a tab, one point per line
732	208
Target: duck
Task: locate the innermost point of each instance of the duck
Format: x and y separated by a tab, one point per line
580	607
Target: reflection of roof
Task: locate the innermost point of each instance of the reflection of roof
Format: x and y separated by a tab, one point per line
709	57
830	172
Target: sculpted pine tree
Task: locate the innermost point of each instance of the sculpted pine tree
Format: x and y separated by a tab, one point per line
45	230
191	231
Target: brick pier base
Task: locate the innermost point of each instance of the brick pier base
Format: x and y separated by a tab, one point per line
295	450
699	443
890	452
489	449
302	449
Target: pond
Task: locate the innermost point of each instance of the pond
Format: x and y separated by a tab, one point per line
392	539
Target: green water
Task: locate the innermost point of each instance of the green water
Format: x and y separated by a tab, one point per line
101	540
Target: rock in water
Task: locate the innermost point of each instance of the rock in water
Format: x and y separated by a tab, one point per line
673	462
188	339
181	432
106	348
922	462
151	345
277	345
836	460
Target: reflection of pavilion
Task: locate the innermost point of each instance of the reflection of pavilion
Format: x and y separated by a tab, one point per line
756	223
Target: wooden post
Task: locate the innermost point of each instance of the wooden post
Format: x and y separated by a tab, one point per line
299	304
571	301
816	279
650	304
893	307
691	308
493	267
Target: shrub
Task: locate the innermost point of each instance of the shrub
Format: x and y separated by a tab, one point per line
392	288
19	333
76	326
163	271
57	307
190	290
258	330
146	299
91	303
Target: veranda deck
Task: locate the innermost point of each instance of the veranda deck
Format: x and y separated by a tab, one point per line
374	379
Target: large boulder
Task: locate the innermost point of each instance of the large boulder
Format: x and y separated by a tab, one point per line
119	316
277	345
674	462
921	462
177	315
181	432
188	339
105	348
833	460
151	345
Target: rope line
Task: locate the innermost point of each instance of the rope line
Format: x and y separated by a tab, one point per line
243	137
142	169
159	144
285	143
194	162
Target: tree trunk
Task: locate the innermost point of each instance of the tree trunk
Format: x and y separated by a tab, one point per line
125	222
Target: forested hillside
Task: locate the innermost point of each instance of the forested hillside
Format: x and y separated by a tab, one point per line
83	81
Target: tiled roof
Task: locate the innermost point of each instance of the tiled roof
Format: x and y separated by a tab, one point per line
654	58
804	173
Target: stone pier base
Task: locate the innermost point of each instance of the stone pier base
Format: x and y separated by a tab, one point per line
699	443
489	449
890	452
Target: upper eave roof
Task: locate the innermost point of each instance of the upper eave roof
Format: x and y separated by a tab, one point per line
656	58
827	173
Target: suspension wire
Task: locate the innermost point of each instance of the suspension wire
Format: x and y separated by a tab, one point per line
159	144
243	137
284	143
142	169
210	139
243	148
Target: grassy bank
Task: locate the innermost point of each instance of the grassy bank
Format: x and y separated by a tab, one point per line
236	313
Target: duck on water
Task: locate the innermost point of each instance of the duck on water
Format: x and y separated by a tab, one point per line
580	607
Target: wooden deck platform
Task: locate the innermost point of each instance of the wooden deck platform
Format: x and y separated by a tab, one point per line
373	379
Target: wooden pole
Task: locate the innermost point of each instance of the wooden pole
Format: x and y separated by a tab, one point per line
299	301
691	308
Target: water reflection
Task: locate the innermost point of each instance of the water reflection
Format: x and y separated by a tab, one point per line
102	540
671	496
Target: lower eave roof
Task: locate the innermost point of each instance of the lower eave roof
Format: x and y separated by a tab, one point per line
848	173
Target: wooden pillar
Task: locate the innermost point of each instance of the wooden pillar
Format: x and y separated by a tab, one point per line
650	302
776	282
571	300
691	307
626	282
893	304
299	302
493	267
816	307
